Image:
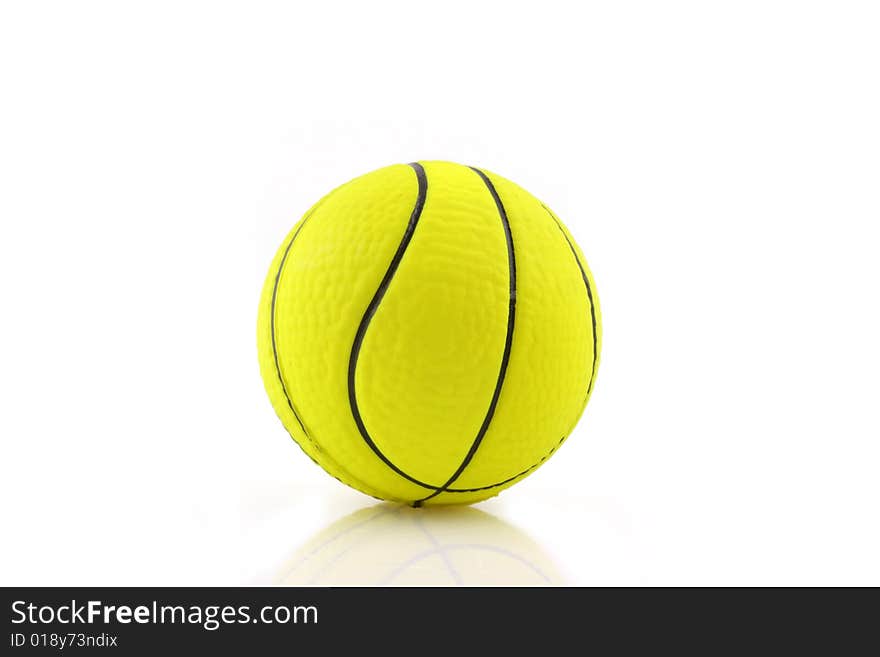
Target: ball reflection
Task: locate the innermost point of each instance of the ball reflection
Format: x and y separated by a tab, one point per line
387	545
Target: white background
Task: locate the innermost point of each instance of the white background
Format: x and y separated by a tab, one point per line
717	162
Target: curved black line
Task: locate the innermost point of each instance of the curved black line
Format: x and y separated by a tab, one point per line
508	342
509	479
371	311
589	293
368	316
272	325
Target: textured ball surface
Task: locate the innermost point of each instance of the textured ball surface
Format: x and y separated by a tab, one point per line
429	333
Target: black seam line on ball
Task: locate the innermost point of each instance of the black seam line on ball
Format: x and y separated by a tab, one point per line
272	322
589	293
361	333
360	485
368	316
508	341
509	479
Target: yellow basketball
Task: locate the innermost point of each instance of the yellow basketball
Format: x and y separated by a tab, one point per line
429	333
